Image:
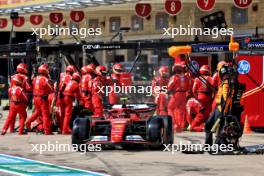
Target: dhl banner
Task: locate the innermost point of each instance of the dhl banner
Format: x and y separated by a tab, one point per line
20	3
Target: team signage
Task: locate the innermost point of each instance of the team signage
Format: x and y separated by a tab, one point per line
3	22
56	18
21	3
205	5
209	48
254	45
143	9
77	16
243	67
243	3
102	46
20	21
173	7
194	66
36	19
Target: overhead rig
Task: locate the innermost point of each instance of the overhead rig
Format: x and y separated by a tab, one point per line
197	47
35	49
207	47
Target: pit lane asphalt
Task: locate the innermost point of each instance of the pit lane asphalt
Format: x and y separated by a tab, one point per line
138	162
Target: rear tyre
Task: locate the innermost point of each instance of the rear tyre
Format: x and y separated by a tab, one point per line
75	114
154	127
160	131
168	129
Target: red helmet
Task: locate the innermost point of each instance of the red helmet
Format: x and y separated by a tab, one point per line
70	69
76	76
84	70
182	63
22	68
17	80
101	70
90	68
164	71
177	59
43	69
177	68
205	70
118	68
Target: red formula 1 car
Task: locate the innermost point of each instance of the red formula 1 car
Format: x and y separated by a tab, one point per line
123	125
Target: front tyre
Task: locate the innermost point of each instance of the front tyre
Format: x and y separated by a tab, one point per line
80	131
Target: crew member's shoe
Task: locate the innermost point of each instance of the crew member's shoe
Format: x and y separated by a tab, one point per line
28	125
22	133
3	132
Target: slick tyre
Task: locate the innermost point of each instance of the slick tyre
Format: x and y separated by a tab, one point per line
155	132
75	115
80	131
168	130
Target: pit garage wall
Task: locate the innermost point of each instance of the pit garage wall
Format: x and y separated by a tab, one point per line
254	96
188	16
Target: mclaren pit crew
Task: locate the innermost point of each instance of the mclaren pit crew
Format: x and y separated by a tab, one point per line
216	81
222	116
